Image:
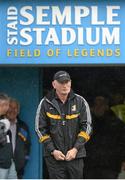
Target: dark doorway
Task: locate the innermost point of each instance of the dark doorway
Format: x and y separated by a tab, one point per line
89	82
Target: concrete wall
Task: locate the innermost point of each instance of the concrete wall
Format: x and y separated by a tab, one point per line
23	83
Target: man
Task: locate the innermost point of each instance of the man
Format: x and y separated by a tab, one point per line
7	166
20	137
4	104
106	149
118	106
63	124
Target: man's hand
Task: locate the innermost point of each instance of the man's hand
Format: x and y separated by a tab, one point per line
58	155
71	154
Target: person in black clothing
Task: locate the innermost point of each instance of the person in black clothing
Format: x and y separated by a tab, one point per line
63	124
106	149
7	165
20	137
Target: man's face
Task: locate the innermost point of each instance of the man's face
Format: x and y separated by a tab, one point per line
12	111
100	108
4	106
62	88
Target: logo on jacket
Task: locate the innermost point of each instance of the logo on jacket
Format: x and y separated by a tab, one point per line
73	108
51	108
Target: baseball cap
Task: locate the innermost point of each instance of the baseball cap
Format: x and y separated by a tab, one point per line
61	76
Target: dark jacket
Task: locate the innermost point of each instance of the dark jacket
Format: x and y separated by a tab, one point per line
6	152
63	132
22	147
106	148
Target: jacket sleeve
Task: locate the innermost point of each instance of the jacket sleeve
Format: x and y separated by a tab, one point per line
85	125
23	132
27	144
42	127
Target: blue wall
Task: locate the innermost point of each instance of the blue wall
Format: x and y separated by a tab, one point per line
80	50
23	84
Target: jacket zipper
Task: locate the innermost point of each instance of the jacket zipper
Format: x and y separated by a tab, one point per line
63	123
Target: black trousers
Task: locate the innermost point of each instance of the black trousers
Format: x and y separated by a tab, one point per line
100	173
65	169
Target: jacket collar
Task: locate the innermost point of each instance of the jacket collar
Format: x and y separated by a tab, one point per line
52	98
52	95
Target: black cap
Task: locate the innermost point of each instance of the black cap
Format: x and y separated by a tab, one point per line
62	76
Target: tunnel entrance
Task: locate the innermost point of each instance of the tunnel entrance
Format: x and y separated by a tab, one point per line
89	82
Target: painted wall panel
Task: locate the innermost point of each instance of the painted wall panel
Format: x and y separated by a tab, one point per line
23	84
62	32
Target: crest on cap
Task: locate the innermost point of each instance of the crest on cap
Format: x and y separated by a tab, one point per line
62	76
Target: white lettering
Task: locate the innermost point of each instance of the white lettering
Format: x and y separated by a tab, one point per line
28	38
28	16
41	15
57	16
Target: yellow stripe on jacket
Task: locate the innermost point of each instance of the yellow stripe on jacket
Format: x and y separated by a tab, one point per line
53	116
58	117
22	136
84	135
43	138
72	116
